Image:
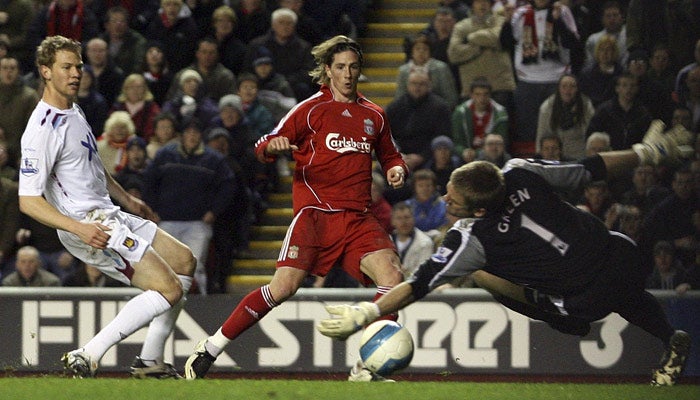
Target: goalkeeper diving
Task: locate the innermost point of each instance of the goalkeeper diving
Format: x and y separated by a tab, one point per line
539	255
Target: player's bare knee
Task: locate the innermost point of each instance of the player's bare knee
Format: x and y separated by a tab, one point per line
183	261
172	292
284	292
391	278
189	263
384	267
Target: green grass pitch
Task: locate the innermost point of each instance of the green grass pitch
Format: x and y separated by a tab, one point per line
56	388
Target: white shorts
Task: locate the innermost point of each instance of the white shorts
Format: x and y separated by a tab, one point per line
116	260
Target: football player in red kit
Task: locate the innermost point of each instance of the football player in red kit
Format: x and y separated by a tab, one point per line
331	136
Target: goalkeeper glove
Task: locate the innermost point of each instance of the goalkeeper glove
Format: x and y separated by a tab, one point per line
658	146
346	320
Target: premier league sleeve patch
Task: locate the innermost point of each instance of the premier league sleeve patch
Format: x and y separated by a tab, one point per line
441	255
29	166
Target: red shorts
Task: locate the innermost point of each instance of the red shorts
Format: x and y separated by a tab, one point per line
317	239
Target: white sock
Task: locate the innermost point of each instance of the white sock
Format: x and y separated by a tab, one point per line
136	313
216	343
162	326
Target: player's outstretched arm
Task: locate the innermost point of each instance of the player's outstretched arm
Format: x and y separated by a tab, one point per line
348	319
657	146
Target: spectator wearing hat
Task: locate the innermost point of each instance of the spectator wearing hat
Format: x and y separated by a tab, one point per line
232	226
257	177
191	100
651	94
291	55
217	80
189	185
274	90
416	117
93	104
261	121
232	49
443	161
232	118
131	176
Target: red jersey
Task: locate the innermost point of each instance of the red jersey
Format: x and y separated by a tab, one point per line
334	161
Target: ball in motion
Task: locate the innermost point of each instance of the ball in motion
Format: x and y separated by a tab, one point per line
386	347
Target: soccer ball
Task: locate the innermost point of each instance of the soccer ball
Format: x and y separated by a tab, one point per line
386	347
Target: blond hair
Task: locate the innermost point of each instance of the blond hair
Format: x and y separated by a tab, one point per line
120	118
131	79
606	41
225	12
46	51
482	185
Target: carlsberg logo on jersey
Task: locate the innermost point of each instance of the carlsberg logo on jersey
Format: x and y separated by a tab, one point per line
344	145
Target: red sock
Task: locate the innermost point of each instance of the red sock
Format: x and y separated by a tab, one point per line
381	291
248	312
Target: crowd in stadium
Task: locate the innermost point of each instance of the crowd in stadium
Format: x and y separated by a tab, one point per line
199	82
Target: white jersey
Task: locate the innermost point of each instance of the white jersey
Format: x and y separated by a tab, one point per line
60	161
